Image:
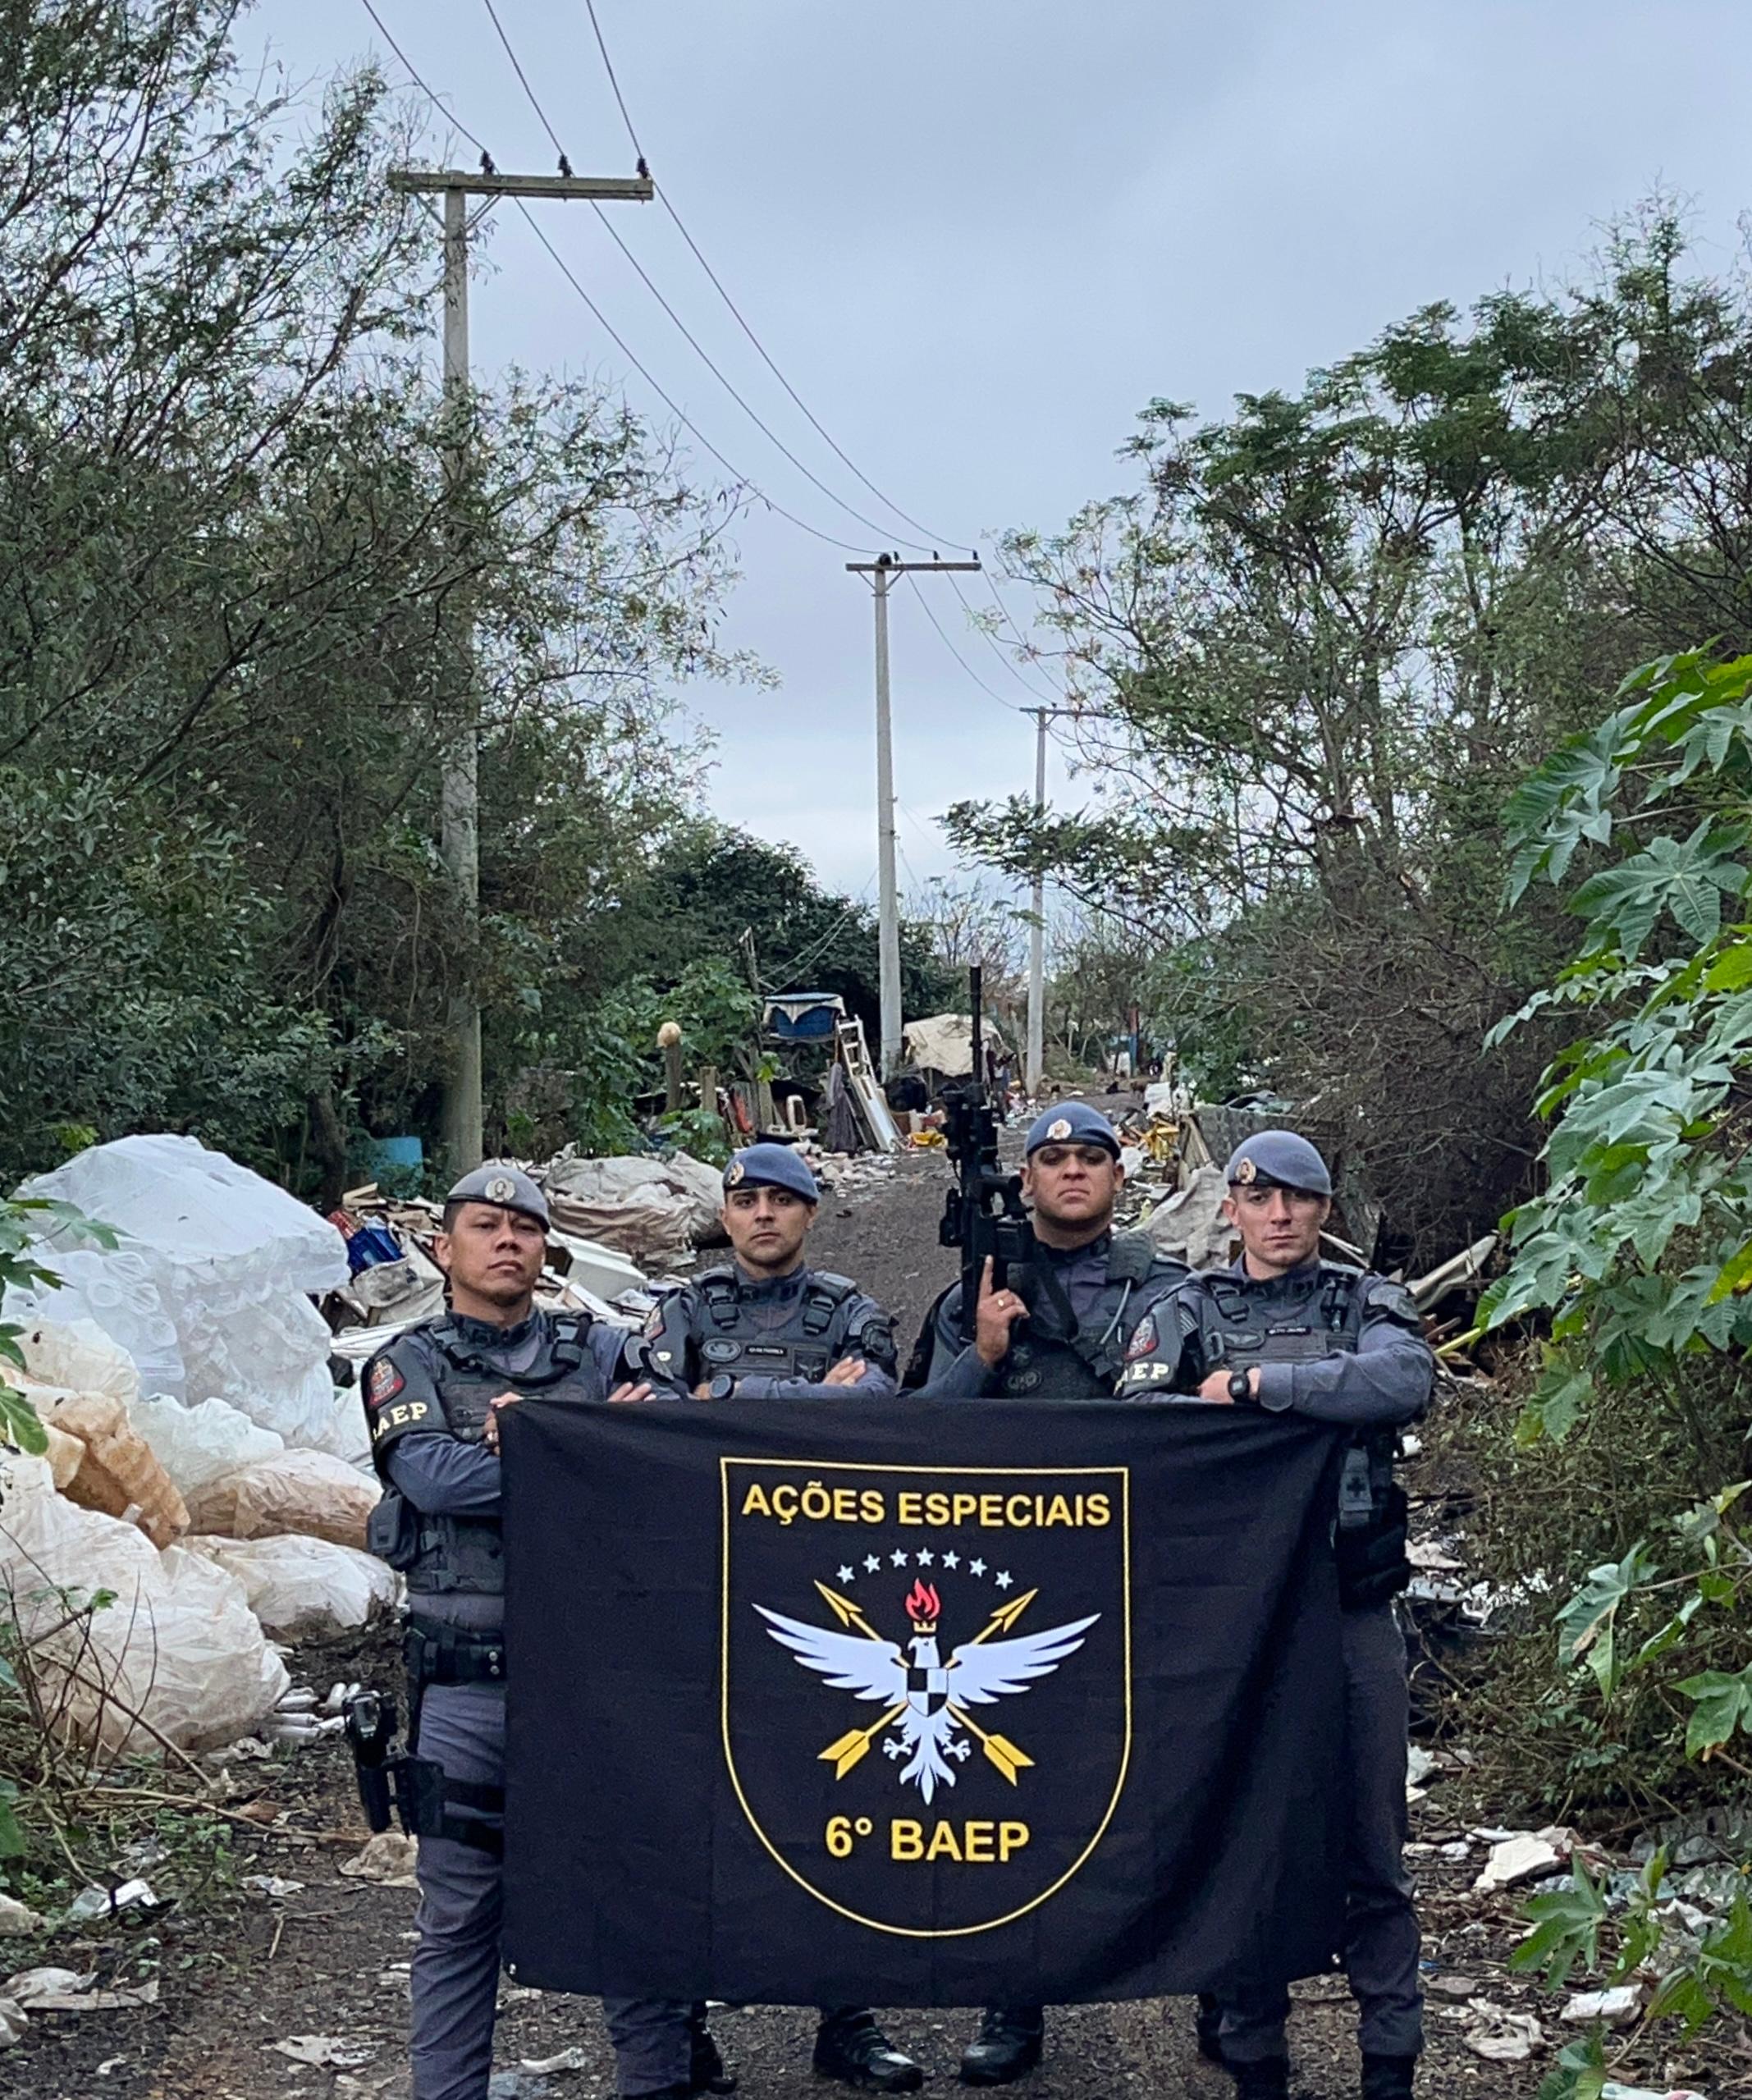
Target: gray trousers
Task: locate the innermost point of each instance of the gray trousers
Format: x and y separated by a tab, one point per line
456	1980
1380	1926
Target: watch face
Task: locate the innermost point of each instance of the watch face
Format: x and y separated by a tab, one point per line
1240	1385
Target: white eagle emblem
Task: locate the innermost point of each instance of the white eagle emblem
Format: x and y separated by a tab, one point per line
925	1698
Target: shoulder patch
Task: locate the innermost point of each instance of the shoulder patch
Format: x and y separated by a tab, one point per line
1143	1340
1382	1295
382	1382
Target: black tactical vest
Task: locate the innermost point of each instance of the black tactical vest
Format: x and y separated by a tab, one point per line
1084	1366
1239	1328
440	1554
735	1334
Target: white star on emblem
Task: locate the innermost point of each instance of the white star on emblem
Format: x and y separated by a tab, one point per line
976	1567
1002	1578
845	1575
923	1556
897	1558
871	1564
951	1560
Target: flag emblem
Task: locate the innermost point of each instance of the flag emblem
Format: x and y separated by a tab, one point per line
982	1620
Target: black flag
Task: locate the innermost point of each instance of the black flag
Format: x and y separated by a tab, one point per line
920	1703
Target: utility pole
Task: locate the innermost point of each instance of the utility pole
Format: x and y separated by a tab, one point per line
459	796
882	573
1034	1058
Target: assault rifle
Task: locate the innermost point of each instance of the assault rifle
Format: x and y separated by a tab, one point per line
983	1215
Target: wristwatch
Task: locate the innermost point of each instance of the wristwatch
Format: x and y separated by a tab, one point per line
1240	1385
723	1387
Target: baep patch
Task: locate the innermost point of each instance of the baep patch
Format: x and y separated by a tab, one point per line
382	1382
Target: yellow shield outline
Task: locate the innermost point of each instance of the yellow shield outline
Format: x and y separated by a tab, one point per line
1122	1473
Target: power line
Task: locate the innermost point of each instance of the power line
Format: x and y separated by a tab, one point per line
608	67
674	409
1008	707
438	101
940	539
687	334
1002	655
742	480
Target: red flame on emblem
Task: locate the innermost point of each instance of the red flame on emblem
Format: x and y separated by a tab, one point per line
923	1602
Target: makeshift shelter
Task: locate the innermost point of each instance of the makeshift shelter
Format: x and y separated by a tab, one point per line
944	1044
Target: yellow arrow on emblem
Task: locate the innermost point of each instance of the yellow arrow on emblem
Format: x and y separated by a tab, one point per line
848	1614
1005	1616
1000	1749
853	1746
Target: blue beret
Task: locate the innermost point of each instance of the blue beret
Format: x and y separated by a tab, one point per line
509	1186
770	1166
1072	1122
1281	1159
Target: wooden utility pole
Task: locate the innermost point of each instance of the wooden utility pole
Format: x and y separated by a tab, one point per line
882	573
459	799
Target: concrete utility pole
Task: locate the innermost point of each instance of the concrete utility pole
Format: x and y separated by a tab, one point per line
1034	1059
459	798
882	572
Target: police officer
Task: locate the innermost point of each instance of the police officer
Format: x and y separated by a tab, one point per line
1287	1332
433	1397
1062	1330
766	1326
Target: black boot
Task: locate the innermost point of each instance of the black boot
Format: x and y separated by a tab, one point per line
1266	2078
707	2071
1007	2048
1389	2078
850	2046
1207	2024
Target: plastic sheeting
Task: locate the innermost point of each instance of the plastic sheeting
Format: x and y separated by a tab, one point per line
196	1445
178	1654
81	1386
651	1208
298	1586
231	1258
310	1492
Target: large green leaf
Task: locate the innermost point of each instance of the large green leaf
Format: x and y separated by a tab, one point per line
1722	1702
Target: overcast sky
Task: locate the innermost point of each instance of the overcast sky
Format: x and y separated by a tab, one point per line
977	236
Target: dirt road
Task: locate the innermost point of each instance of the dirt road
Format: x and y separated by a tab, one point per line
243	1967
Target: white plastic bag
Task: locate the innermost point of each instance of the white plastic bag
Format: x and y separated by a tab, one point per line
299	1585
195	1445
116	1293
233	1257
80	1385
311	1492
347	1435
177	1655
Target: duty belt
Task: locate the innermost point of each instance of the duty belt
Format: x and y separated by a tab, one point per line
436	1654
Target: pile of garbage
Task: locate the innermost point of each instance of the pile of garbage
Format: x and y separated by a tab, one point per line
207	1480
206	1487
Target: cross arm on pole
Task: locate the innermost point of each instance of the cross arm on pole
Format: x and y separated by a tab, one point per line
635	188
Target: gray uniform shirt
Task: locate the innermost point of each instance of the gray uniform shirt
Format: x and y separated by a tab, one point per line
1384	1381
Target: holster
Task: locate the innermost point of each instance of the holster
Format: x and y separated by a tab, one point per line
392	1531
1372	1565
